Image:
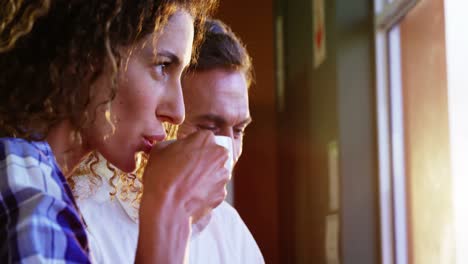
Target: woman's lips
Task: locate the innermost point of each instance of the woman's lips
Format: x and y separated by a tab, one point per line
147	145
149	141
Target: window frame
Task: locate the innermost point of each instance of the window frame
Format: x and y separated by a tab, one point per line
390	126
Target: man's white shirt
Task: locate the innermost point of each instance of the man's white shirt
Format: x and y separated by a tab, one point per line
112	226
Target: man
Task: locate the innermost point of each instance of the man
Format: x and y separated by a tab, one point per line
216	99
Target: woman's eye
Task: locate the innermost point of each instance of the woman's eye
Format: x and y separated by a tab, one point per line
161	68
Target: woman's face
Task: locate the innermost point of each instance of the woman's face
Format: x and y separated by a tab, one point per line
149	93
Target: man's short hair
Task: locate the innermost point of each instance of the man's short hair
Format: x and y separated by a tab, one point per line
221	48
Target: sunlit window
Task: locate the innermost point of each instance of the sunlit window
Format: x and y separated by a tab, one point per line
456	22
422	110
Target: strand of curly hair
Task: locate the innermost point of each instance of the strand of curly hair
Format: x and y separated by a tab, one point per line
48	74
122	184
11	33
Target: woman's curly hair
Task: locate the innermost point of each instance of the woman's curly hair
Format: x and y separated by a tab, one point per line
51	52
123	184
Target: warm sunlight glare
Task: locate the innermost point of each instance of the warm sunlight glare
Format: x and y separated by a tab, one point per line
457	70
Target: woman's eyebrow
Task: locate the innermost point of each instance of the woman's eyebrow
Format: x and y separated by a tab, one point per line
170	55
154	55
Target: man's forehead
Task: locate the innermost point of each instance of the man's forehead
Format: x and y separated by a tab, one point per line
216	86
224	118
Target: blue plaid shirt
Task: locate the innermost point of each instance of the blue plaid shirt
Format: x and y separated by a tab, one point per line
39	219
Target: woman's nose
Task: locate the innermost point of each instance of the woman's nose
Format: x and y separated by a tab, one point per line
172	109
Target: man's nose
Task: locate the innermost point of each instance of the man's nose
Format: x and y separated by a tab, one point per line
227	132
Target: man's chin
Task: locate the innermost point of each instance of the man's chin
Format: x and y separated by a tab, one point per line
201	224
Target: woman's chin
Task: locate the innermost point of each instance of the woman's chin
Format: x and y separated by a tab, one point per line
127	165
127	168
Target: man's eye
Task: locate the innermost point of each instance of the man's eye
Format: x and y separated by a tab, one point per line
211	128
239	131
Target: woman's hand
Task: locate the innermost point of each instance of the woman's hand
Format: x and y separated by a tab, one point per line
183	182
190	172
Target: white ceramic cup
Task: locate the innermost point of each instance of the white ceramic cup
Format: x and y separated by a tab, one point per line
226	142
223	141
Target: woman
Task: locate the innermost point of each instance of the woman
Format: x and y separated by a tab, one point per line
84	76
109	199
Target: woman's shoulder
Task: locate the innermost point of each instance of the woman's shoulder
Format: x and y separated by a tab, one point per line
27	150
35	197
29	165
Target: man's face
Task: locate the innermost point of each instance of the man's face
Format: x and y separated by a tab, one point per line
216	100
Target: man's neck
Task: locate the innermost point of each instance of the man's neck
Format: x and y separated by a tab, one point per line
67	149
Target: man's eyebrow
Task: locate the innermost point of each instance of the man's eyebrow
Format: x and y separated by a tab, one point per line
220	120
245	122
213	118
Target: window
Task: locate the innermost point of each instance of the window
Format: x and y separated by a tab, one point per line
392	180
456	22
417	132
